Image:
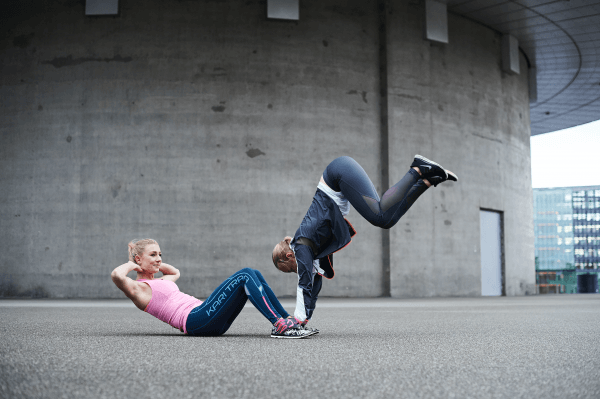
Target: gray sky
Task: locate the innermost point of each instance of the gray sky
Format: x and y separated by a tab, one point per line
569	157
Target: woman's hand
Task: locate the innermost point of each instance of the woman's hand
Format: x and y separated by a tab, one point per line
169	272
134	267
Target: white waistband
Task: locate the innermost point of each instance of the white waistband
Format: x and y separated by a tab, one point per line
338	198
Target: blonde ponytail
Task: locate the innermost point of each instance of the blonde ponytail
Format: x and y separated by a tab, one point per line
137	247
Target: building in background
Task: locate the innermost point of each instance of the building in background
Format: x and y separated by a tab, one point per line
567	239
206	125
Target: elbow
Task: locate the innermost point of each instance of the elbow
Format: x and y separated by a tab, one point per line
114	276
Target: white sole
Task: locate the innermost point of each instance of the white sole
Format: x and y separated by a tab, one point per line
452	174
284	337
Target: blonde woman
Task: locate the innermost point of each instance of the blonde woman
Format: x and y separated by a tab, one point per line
161	297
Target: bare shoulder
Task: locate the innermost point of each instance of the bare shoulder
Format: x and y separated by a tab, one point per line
139	292
143	295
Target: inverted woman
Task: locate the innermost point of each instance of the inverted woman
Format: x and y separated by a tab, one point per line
161	297
325	230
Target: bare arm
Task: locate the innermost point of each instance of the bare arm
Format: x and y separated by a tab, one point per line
129	287
169	272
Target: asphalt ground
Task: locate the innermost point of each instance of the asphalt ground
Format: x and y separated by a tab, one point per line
519	347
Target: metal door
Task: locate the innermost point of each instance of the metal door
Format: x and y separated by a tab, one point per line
491	253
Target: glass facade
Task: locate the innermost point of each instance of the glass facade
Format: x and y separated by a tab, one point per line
553	229
586	228
567	239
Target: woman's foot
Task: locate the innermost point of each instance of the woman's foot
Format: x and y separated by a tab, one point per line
432	172
292	333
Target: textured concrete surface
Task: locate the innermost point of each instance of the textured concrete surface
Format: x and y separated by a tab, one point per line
206	126
515	347
454	103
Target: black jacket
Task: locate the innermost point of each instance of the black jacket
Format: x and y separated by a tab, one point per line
322	232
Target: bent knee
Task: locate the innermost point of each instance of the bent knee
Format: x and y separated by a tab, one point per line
383	224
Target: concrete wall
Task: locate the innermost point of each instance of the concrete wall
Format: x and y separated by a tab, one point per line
452	103
206	126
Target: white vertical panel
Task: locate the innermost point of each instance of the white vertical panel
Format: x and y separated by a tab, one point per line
101	7
283	9
491	253
533	85
436	21
510	54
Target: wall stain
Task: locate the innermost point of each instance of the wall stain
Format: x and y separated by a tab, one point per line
9	288
447	222
487	138
218	71
363	94
60	62
115	189
23	41
218	108
409	97
254	152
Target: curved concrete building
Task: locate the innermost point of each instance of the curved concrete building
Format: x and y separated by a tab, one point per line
206	125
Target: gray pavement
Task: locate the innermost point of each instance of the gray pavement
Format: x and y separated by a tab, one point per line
517	347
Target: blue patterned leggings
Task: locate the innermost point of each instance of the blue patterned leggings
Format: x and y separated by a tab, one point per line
217	313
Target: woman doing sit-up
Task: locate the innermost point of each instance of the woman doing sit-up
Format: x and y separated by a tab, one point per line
161	298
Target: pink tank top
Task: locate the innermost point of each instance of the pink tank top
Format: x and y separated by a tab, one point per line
169	304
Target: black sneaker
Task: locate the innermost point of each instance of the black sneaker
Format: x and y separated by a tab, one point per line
432	171
292	333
